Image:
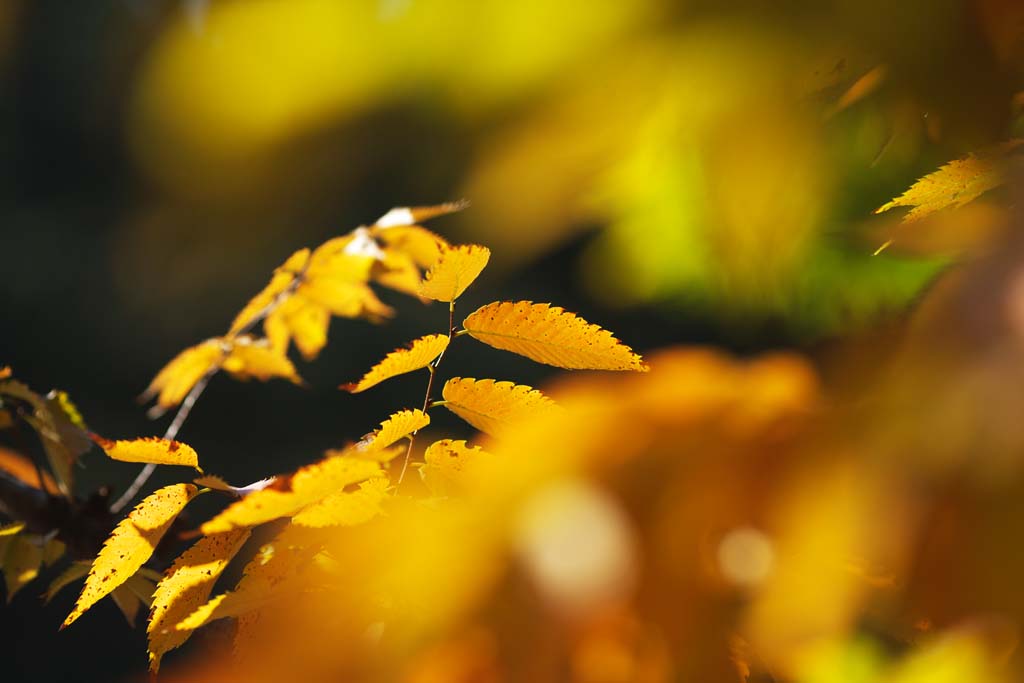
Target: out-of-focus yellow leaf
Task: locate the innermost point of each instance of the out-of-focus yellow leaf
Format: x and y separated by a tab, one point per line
347	508
53	550
128	602
131	543
346	299
549	334
149	450
185	587
421	245
300	320
419	354
493	406
957	183
21	562
289	494
178	377
257	358
74	572
399	425
282	279
454	271
398	271
276	563
446	463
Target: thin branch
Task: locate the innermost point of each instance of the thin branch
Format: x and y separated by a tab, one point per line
430	386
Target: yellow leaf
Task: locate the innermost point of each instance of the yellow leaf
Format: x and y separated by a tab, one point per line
398	271
345	299
149	450
454	271
548	334
131	543
186	586
256	358
21	563
53	550
492	406
446	463
178	377
399	425
271	569
419	244
347	508
419	354
289	494
127	601
957	183
12	529
301	320
282	279
347	258
74	572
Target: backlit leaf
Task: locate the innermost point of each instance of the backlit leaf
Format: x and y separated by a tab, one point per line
256	358
21	562
399	425
177	378
74	572
548	334
492	406
421	245
346	299
131	543
149	450
454	271
957	183
281	281
289	494
186	586
302	321
398	271
347	508
419	354
446	463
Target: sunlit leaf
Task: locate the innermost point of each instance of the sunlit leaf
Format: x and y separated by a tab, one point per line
289	494
177	378
548	334
282	279
492	406
149	450
454	271
255	358
346	508
398	271
302	321
446	463
185	587
421	245
131	543
399	425
419	354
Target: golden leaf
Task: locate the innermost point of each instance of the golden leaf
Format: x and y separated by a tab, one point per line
492	406
289	494
419	354
454	271
421	245
21	562
446	463
399	425
271	568
131	543
256	358
957	183
398	271
548	334
301	320
282	279
149	450
347	508
347	258
178	377
185	587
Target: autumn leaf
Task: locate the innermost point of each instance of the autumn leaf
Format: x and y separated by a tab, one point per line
186	586
176	379
454	271
256	358
75	571
492	406
347	508
22	558
302	321
149	450
419	354
446	463
282	279
289	494
399	425
22	469
548	334
419	244
957	183
398	271
131	543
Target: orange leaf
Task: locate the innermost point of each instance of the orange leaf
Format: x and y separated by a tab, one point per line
419	354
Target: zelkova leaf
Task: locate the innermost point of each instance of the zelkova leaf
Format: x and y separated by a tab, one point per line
282	279
186	586
289	494
347	508
399	425
551	335
131	543
454	271
957	183
492	406
446	464
419	354
149	450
